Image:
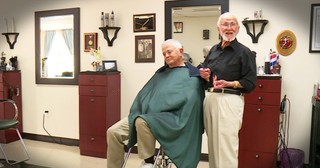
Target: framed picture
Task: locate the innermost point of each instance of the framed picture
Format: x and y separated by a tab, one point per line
144	46
144	22
178	27
109	65
314	45
205	34
90	41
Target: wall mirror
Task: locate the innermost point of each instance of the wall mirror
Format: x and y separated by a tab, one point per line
57	46
198	18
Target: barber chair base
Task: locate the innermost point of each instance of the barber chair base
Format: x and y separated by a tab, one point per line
161	160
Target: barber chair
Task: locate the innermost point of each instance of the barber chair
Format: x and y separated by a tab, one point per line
6	124
161	160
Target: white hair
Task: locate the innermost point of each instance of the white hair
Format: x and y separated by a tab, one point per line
175	43
224	15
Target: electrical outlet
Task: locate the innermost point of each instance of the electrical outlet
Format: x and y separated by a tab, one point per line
46	113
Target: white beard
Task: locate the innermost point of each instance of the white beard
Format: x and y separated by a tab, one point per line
225	38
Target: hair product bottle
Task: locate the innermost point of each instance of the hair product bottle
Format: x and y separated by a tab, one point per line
106	19
102	19
267	65
315	88
112	19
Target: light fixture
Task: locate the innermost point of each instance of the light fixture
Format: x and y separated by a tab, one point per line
105	31
11	38
12	35
253	35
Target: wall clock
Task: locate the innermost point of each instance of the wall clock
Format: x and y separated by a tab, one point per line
286	42
144	22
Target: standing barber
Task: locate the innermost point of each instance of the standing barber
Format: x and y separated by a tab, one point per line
230	69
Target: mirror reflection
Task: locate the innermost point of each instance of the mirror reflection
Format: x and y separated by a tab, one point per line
56	34
198	19
57	46
199	24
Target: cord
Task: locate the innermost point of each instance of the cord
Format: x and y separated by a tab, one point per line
54	140
284	128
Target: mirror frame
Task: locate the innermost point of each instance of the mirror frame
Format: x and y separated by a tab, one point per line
171	4
76	42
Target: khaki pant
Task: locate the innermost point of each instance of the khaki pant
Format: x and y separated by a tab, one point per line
222	120
118	134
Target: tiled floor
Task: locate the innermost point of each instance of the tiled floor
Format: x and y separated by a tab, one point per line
61	156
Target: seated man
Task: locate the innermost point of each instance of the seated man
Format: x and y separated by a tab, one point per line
167	109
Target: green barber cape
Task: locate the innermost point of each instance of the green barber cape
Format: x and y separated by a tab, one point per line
171	104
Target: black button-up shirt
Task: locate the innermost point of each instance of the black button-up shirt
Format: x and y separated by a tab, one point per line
235	62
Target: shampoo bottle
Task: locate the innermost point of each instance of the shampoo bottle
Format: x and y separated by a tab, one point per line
106	19
102	19
112	19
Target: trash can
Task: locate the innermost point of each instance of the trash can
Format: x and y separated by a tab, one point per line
291	158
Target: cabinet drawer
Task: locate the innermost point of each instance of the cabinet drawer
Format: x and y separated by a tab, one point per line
93	145
262	98
92	91
259	131
92	116
96	80
265	85
257	160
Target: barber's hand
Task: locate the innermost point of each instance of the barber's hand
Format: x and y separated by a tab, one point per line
218	84
205	73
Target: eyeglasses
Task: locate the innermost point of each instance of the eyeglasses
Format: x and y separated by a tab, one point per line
167	52
231	24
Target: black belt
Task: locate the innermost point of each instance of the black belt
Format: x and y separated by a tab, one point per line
225	90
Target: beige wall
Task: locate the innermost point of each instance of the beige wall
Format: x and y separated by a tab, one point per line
299	70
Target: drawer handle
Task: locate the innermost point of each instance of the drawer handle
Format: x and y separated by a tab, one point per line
257	156
259	98
92	139
91	79
91	90
259	109
92	99
17	91
260	85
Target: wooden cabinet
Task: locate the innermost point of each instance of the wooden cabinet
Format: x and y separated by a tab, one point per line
99	108
10	88
314	157
259	132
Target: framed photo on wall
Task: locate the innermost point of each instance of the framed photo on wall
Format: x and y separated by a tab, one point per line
144	47
178	27
144	22
314	45
90	41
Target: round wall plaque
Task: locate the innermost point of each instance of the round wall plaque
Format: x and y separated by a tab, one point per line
286	42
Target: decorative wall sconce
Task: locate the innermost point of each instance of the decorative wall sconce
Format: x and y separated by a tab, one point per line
106	30
11	38
253	35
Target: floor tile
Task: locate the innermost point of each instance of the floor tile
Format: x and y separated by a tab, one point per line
62	156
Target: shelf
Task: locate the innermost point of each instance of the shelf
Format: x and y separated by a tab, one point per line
9	37
106	30
253	35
